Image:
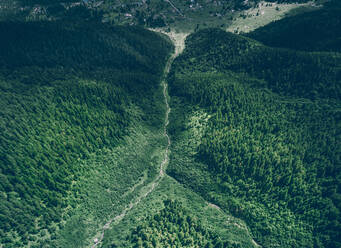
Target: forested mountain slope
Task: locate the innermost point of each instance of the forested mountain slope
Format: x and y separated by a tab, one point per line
255	129
283	71
173	226
69	91
318	30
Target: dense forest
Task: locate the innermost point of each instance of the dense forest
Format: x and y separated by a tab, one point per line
254	125
173	226
66	89
256	130
287	72
318	30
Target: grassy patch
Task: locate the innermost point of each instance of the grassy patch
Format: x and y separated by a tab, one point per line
264	13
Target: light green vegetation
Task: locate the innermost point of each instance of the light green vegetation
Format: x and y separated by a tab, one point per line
212	218
224	228
111	179
198	176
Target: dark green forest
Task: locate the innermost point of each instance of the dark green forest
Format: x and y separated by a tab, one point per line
65	89
270	150
318	30
284	71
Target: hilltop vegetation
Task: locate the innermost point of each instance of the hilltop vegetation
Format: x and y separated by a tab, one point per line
318	30
286	72
68	91
255	130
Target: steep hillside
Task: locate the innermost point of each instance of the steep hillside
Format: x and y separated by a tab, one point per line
243	151
255	130
287	72
70	93
319	30
196	223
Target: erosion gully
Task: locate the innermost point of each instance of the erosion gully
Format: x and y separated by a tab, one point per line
178	40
